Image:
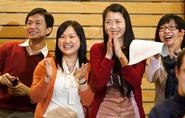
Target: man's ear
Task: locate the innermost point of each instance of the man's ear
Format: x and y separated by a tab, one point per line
49	30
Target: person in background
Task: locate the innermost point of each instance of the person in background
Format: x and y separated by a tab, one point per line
61	82
117	84
17	63
161	68
174	107
183	41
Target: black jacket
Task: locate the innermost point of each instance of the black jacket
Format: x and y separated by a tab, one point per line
173	107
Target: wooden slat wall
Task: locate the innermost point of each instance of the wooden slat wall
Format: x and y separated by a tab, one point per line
144	16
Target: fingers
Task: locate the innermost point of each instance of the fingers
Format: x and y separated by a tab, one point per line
179	41
84	66
181	35
49	69
109	52
110	40
19	90
157	56
80	73
113	45
13	90
8	76
6	79
48	64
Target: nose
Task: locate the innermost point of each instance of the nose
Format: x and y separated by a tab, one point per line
67	39
167	29
113	25
32	25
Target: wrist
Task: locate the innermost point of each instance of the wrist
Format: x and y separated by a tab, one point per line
28	90
123	60
47	79
108	56
82	81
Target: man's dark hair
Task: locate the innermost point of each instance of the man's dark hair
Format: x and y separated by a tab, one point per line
48	17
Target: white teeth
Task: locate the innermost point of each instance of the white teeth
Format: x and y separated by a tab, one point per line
32	32
68	46
168	37
114	32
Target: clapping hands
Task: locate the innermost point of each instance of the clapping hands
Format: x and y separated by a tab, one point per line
109	52
80	73
49	70
114	45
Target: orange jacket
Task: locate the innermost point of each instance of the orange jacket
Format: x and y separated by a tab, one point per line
41	92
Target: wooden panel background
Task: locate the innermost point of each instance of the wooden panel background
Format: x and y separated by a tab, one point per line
144	16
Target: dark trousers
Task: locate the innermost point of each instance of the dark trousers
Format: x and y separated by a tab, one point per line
15	114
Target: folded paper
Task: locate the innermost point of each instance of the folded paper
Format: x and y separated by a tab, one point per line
142	49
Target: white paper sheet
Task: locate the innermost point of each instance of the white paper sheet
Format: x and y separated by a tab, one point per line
143	49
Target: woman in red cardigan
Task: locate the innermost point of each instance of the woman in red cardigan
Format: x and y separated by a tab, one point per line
117	84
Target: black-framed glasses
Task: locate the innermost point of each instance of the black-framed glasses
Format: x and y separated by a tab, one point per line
170	27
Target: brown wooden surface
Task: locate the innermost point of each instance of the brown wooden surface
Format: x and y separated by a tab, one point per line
92	7
144	16
91	32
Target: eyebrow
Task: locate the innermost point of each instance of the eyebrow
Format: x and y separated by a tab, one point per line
168	24
36	20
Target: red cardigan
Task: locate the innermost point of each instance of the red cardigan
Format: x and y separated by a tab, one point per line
102	67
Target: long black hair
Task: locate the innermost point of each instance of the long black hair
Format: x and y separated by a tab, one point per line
80	33
118	80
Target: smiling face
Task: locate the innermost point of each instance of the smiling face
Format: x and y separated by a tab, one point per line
36	27
115	23
168	33
69	42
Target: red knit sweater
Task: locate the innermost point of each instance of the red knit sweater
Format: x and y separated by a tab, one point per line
102	67
16	61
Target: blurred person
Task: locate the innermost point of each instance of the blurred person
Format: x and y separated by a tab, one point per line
174	107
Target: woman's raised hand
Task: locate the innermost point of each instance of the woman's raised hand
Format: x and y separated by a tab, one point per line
80	73
177	46
109	52
49	70
117	46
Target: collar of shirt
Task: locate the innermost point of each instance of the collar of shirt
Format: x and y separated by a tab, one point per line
66	70
44	50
